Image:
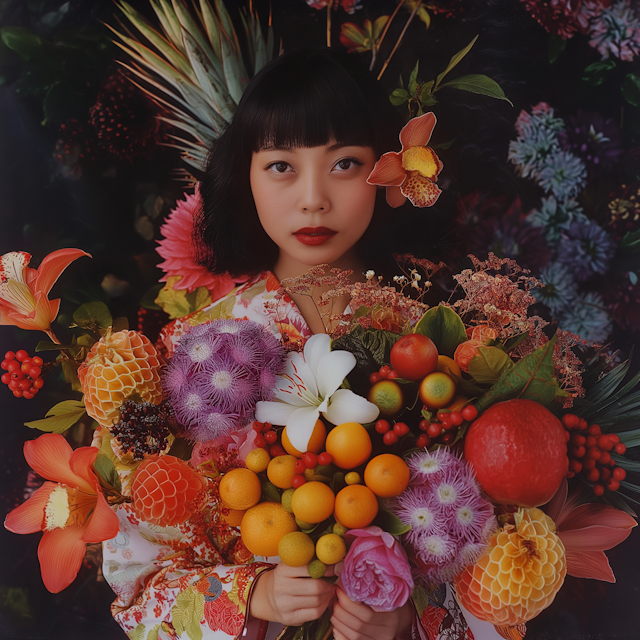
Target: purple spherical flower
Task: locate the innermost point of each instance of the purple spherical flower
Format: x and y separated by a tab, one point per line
189	404
586	249
594	139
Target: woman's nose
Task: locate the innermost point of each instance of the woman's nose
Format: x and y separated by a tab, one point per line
313	196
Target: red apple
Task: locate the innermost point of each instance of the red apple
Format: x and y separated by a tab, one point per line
519	453
414	356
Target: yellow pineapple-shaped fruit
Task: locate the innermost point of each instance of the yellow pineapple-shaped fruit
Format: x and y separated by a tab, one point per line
520	574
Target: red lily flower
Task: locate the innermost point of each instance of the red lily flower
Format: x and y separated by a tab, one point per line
587	531
71	511
413	172
23	291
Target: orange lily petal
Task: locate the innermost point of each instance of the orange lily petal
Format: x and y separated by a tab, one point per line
417	132
49	456
589	564
103	523
421	192
81	463
395	198
51	267
598	538
60	553
388	171
594	515
29	516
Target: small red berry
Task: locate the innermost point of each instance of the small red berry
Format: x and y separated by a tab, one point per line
613	485
469	413
266	426
325	458
619	474
260	441
605	457
9	355
594	453
393	375
575	466
390	438
271	437
582	425
382	426
570	474
17	375
435	430
37	361
4	364
6	378
257	426
400	429
443	416
605	443
14	384
33	390
277	450
17	393
423	441
588	463
21	355
590	442
605	473
578	439
455	418
38	383
300	467
620	448
594	430
24	384
375	377
578	451
298	480
614	437
423	425
598	489
13	366
27	395
570	421
567	436
448	438
385	369
593	475
310	459
34	372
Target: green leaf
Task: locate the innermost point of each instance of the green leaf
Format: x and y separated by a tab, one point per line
389	522
353	32
454	61
378	27
106	470
425	91
444	326
270	492
399	97
43	345
512	343
630	88
379	342
488	364
187	612
413	79
478	83
595	74
23	41
529	379
630	242
70	372
120	324
555	47
60	417
92	315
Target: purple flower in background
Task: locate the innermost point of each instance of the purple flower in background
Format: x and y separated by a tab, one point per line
565	17
562	174
616	31
559	288
451	521
376	570
586	249
594	139
218	373
553	216
587	317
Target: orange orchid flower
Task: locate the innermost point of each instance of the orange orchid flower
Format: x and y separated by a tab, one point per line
23	290
587	530
413	172
71	510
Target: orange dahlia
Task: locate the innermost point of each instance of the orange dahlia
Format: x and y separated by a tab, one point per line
117	366
519	575
166	490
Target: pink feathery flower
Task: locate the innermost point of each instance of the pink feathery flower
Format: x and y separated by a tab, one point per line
179	252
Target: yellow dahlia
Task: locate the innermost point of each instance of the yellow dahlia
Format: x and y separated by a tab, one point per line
119	365
519	575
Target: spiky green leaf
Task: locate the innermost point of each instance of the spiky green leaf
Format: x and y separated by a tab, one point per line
478	83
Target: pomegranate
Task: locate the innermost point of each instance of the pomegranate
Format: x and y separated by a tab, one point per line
519	452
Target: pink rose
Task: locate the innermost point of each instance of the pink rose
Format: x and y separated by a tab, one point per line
376	570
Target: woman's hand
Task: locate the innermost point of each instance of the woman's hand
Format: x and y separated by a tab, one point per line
357	621
289	596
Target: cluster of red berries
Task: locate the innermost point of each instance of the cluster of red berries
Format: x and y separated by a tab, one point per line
589	452
385	373
309	460
267	438
391	435
443	430
23	374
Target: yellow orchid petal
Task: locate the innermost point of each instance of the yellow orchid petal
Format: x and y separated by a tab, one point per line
423	160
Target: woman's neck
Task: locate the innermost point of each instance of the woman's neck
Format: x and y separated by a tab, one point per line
318	317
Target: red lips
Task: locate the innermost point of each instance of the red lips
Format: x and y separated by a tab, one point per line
314	236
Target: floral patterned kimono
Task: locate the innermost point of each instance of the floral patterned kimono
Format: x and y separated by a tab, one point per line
194	580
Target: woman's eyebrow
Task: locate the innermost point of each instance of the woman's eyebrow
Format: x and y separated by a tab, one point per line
342	145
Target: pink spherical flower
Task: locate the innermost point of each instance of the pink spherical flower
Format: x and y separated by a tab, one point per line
376	570
179	252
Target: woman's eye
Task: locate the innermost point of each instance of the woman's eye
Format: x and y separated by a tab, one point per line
347	163
279	167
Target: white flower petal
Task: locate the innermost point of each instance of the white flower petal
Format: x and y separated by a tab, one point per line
317	346
300	426
274	412
332	370
346	406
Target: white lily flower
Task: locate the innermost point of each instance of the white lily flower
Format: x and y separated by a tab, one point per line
310	387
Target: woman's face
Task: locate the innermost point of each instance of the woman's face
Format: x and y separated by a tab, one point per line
313	202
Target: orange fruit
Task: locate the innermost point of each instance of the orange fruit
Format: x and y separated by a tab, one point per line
387	475
330	548
240	489
349	444
313	502
234	518
296	549
356	506
257	460
437	390
316	442
353	477
448	365
263	526
281	470
387	396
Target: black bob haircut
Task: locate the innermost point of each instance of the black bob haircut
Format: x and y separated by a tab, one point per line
303	98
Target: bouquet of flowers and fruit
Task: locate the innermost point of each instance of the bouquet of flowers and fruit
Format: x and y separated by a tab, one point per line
415	445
